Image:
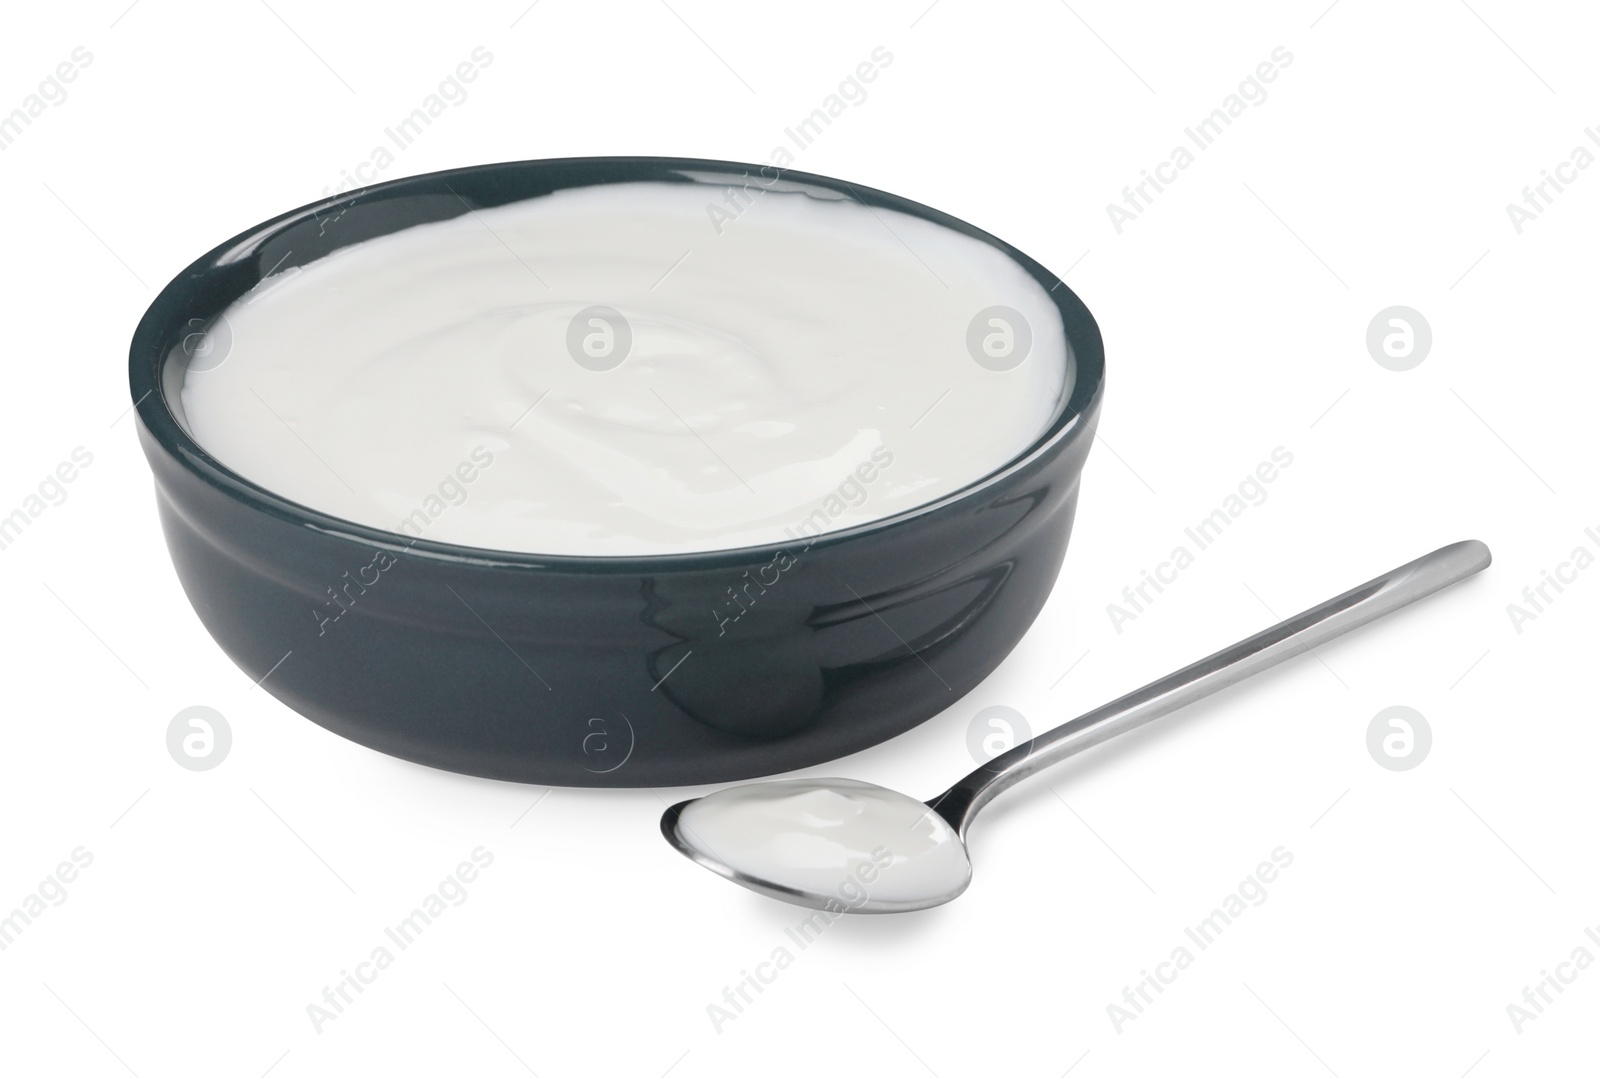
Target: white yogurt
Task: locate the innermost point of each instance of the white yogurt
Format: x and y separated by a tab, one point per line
805	366
857	843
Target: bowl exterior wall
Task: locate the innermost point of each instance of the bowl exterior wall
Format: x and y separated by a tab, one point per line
770	662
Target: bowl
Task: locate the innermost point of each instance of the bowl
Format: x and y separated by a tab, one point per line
597	671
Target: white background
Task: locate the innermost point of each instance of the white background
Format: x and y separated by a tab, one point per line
1419	903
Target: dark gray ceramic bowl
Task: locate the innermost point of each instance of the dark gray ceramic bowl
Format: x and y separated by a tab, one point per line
603	671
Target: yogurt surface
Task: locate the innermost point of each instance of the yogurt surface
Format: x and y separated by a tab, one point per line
617	370
855	842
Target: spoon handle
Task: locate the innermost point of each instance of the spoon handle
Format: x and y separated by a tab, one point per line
1382	595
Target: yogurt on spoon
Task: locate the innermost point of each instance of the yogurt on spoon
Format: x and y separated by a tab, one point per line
835	844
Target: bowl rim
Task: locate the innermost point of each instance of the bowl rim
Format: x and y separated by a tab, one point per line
150	351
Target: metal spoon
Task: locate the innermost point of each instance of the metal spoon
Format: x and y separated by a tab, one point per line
939	826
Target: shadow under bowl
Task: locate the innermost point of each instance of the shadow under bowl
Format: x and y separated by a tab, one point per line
599	671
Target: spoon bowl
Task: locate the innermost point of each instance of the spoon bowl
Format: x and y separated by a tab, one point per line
832	844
